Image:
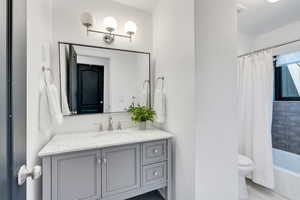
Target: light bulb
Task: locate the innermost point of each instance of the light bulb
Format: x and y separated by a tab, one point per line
110	24
87	19
130	28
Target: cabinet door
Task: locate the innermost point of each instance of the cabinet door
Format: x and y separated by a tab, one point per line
76	176
120	170
90	89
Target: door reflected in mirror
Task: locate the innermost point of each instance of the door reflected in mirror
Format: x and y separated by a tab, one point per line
102	80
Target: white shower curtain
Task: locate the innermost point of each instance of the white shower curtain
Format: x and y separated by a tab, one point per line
255	84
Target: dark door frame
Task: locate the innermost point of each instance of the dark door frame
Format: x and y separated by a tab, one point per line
12	97
4	150
71	75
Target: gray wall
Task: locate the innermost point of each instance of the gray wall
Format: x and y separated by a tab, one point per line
4	189
286	126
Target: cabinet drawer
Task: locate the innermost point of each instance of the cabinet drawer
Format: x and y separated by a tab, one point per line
155	174
154	152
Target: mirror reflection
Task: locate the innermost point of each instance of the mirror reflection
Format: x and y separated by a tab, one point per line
102	80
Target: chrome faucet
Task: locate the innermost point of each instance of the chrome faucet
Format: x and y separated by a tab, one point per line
110	124
100	126
119	127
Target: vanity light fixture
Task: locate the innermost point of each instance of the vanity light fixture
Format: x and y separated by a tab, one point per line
111	26
87	20
130	28
241	8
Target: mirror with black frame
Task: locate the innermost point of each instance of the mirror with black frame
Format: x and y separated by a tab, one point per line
102	80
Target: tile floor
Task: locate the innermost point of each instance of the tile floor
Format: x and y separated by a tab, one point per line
149	196
259	193
255	193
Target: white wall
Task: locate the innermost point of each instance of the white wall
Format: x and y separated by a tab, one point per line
280	35
67	27
289	32
174	58
216	152
39	38
245	43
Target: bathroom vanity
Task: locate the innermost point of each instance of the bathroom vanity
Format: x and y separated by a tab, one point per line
111	165
105	165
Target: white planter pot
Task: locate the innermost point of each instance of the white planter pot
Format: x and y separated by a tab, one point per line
142	125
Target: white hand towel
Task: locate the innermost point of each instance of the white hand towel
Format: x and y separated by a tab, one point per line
54	105
160	105
45	119
65	105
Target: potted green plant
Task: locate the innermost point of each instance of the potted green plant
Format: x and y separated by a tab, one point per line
141	114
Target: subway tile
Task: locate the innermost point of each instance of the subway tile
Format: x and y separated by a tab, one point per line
294	147
286	126
280	146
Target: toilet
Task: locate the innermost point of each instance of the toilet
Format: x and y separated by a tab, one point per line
246	166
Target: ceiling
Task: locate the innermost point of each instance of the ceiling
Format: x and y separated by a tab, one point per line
145	5
257	16
260	16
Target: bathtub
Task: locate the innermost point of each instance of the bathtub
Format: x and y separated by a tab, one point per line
287	174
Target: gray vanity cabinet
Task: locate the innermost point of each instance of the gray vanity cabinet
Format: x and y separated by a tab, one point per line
76	176
113	173
121	170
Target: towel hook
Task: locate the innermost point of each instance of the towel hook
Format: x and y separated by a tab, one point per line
146	83
44	69
162	81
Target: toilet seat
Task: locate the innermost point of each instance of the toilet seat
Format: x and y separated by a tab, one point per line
245	167
244	161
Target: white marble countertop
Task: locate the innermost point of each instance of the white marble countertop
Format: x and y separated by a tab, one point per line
66	143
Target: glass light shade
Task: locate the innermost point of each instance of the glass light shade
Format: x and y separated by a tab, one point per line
86	19
130	28
110	24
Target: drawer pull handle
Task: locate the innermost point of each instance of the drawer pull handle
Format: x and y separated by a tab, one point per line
155	151
105	161
99	161
155	173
